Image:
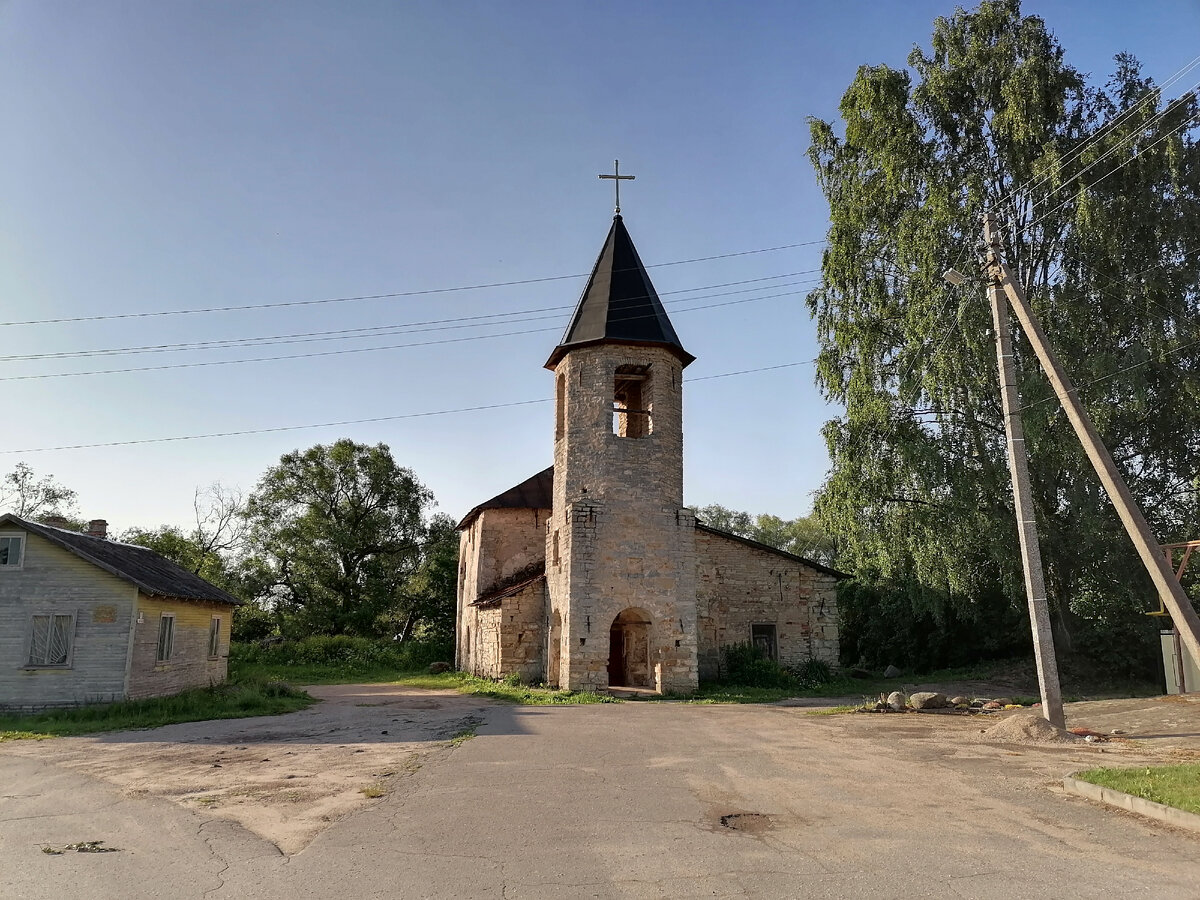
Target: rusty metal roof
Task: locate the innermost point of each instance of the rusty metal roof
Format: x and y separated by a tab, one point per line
535	492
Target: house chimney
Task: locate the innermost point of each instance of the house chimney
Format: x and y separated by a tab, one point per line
56	522
98	528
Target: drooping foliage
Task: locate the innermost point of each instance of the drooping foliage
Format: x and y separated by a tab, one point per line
1097	190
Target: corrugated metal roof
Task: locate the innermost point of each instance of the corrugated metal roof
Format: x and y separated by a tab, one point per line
152	573
535	492
619	304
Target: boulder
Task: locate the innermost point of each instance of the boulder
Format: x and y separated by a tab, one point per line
928	700
896	700
1004	701
438	668
960	701
892	672
992	704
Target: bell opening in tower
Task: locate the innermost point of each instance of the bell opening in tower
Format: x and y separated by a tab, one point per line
632	402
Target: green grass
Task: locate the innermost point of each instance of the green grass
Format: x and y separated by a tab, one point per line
463	736
1177	786
506	690
833	710
313	673
224	701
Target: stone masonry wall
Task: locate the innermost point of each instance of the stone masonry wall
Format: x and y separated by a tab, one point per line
523	634
623	537
499	544
739	586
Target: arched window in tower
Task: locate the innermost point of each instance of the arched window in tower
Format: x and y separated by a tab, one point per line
560	406
632	402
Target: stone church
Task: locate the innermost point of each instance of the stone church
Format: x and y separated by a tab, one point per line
592	573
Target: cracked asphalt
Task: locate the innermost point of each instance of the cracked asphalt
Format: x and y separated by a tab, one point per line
627	800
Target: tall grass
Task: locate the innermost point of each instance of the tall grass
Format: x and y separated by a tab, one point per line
322	659
223	701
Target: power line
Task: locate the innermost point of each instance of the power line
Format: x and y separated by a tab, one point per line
351	350
383	330
387	296
1152	96
373	419
1185	123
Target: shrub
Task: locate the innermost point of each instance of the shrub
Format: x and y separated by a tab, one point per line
812	673
747	666
340	652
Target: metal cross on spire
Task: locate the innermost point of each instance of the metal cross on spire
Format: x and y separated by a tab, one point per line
617	178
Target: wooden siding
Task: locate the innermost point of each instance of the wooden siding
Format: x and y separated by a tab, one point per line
189	665
53	581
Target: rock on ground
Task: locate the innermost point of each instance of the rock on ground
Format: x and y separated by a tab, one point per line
928	700
892	672
897	701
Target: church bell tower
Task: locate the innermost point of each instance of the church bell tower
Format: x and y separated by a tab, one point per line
620	546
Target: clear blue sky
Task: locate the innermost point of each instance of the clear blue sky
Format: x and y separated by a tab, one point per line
164	155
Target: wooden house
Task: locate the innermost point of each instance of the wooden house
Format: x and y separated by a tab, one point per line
87	620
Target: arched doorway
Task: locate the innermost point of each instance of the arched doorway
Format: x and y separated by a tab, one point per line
629	649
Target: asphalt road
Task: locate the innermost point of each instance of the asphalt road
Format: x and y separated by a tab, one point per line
635	800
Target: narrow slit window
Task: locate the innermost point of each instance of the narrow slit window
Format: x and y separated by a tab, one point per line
214	637
560	407
632	409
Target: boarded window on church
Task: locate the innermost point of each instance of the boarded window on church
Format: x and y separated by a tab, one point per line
632	402
763	638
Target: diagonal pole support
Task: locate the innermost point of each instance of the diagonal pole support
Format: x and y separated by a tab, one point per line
1170	590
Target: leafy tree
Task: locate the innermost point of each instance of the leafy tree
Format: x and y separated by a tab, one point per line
336	532
428	603
803	536
24	494
1099	201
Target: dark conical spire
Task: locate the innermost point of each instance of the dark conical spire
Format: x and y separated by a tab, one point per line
619	304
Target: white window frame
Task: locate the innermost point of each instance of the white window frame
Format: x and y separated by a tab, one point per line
21	542
161	657
214	637
51	614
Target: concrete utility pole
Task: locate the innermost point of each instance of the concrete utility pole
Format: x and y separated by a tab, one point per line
1169	588
1018	466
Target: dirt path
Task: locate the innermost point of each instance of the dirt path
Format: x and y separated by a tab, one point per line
283	777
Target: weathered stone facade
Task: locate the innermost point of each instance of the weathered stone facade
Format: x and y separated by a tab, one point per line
740	586
623	535
598	576
501	630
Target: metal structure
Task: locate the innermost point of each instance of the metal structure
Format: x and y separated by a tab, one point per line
1169	551
617	178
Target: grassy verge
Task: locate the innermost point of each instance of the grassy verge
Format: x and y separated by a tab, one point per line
1177	786
508	691
224	701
